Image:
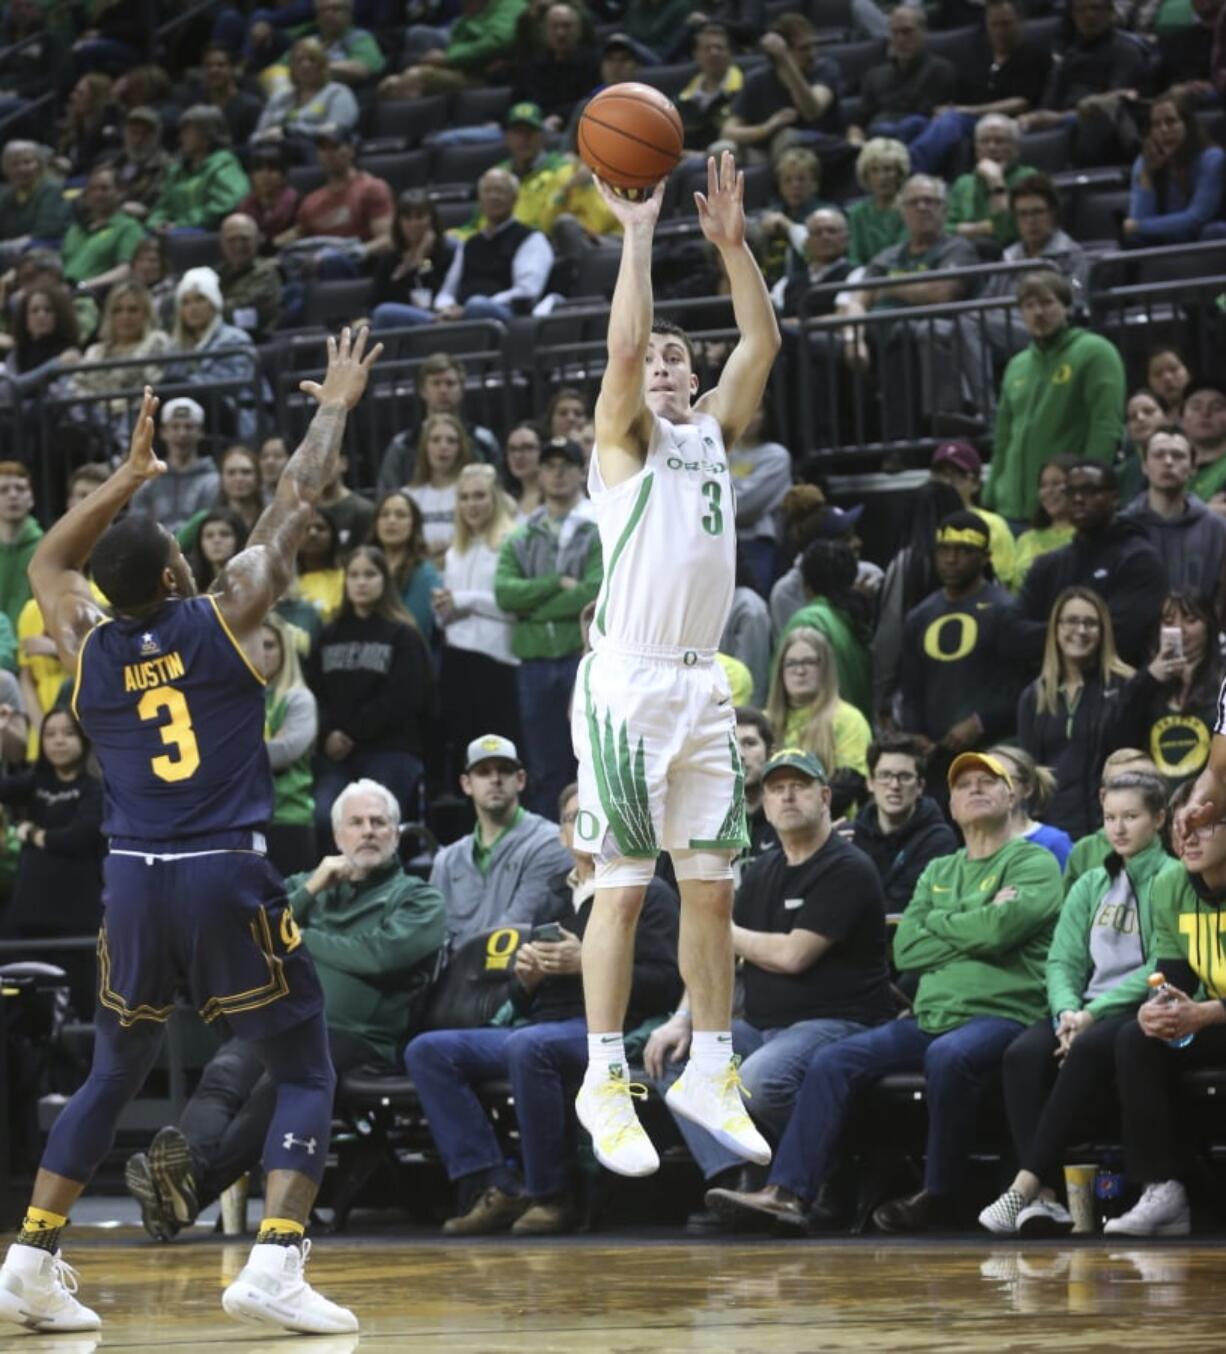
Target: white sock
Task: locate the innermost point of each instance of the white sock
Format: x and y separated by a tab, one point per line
711	1050
604	1052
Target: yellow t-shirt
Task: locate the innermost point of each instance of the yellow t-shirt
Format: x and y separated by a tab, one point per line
740	679
324	589
852	736
47	672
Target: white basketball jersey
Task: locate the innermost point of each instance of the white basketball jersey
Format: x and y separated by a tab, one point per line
668	537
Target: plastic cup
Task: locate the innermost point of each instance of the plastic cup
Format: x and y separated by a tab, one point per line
1079	1182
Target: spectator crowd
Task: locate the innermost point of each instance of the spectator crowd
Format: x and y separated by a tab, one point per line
963	737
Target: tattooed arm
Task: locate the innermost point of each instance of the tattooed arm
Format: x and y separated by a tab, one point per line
254	579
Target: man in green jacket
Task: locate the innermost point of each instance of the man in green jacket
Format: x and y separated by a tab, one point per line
205	182
976	931
548	571
1063	393
374	933
483	37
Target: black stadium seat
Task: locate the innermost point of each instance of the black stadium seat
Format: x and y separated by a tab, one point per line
1050	151
193	251
855	58
472	107
670	80
332	304
402	169
465	164
410	119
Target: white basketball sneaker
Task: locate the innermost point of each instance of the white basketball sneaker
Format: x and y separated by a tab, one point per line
1162	1210
271	1291
37	1290
712	1100
606	1109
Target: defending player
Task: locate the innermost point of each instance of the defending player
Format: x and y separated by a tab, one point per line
653	722
171	696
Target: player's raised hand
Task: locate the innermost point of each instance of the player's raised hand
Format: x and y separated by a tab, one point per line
141	458
721	209
348	368
632	212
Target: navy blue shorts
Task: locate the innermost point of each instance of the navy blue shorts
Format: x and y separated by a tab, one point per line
214	923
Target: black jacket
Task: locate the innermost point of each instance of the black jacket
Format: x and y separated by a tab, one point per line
656	986
900	857
1075	747
58	889
1120	565
373	681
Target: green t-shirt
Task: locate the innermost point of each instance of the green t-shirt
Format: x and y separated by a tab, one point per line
1209	479
88	251
482	852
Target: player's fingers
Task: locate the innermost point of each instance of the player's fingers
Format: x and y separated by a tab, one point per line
312	388
701	203
373	356
728	169
359	343
740	187
331	350
712	176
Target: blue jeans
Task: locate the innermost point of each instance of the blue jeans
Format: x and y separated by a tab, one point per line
958	1065
545	686
399	315
483	308
905	128
399	772
545	1065
930	151
773	1068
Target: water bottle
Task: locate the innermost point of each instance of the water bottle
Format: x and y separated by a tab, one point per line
1162	992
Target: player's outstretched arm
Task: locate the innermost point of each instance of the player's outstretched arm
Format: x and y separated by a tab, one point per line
622	418
721	214
57	567
256	578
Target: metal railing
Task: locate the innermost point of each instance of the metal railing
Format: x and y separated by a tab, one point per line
60	423
391	405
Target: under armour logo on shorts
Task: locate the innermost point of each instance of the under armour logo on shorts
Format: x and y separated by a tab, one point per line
289	1141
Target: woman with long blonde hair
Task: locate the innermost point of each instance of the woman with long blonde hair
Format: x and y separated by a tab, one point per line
1068	717
1034	786
479	691
804	705
443	450
291	721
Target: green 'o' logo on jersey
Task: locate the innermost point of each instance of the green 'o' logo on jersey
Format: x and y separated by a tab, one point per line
587	825
937	643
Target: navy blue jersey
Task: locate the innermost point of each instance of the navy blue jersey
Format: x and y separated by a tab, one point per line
176	715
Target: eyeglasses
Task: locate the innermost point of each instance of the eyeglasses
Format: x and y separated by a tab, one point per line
895	777
1198	832
1080	623
801	664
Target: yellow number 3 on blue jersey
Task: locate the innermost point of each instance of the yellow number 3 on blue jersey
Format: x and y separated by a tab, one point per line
177	733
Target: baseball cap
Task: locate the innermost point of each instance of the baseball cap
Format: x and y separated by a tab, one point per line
182	407
984	760
144	114
562	447
334	132
529	114
799	760
964	528
960	454
838	521
622	40
491	747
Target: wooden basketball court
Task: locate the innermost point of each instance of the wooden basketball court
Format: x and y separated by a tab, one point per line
623	1295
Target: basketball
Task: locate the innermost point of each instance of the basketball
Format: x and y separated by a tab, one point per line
630	135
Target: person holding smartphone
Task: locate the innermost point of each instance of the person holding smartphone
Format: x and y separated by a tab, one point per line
538	1042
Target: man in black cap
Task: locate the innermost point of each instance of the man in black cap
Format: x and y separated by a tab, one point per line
960	677
352	205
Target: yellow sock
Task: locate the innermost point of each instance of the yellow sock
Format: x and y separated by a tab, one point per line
42	1228
280	1232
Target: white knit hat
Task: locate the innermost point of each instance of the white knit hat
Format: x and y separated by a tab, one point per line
202	280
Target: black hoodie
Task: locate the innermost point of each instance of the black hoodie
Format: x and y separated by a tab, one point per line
1120	565
901	856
